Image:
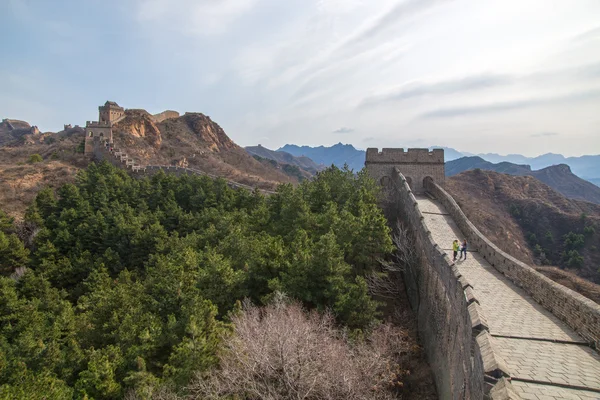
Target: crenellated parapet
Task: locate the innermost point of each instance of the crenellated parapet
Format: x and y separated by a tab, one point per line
97	124
401	156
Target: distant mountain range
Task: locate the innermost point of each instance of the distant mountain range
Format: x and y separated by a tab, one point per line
586	167
559	177
337	155
283	157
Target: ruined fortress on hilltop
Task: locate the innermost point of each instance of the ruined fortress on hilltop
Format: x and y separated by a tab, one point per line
109	114
16	125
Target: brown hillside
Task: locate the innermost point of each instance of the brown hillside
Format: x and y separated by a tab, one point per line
560	178
195	141
192	140
529	220
20	180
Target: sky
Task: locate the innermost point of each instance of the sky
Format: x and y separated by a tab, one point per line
481	76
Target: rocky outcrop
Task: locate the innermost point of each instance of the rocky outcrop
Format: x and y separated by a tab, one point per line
208	132
139	123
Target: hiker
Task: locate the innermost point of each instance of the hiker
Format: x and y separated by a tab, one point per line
455	247
463	249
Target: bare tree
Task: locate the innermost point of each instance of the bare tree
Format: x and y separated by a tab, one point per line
282	352
27	231
386	283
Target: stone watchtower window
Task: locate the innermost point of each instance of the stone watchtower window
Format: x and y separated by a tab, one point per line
385	181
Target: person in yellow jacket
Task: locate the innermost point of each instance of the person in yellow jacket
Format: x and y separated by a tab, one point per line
455	248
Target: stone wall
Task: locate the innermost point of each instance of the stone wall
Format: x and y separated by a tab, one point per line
160	117
451	324
414	164
101	152
577	311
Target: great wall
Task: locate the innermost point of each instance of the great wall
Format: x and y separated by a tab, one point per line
100	145
492	326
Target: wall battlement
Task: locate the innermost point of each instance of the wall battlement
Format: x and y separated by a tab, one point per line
414	164
397	156
97	124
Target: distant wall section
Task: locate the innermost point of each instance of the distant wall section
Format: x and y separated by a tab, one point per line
160	117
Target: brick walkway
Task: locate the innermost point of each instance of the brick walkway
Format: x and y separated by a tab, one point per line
546	358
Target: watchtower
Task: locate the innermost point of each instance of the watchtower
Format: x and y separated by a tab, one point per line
100	130
110	112
414	164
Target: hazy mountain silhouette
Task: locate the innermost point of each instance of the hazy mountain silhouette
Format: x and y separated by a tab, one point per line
337	155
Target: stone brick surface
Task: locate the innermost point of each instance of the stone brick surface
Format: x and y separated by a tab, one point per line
557	363
535	391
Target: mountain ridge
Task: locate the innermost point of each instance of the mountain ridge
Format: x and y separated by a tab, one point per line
284	157
559	177
586	167
338	155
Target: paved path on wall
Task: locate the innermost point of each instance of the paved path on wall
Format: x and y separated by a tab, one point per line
546	358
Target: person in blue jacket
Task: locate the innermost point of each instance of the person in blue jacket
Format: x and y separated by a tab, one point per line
463	250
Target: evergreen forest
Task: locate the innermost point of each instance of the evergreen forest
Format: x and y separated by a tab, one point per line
115	285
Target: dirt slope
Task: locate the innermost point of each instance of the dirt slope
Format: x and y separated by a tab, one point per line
20	180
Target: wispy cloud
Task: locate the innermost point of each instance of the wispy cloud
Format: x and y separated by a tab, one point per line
511	105
591	34
544	134
416	89
196	17
343	130
400	12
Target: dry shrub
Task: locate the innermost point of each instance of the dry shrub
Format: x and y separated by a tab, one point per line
282	352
